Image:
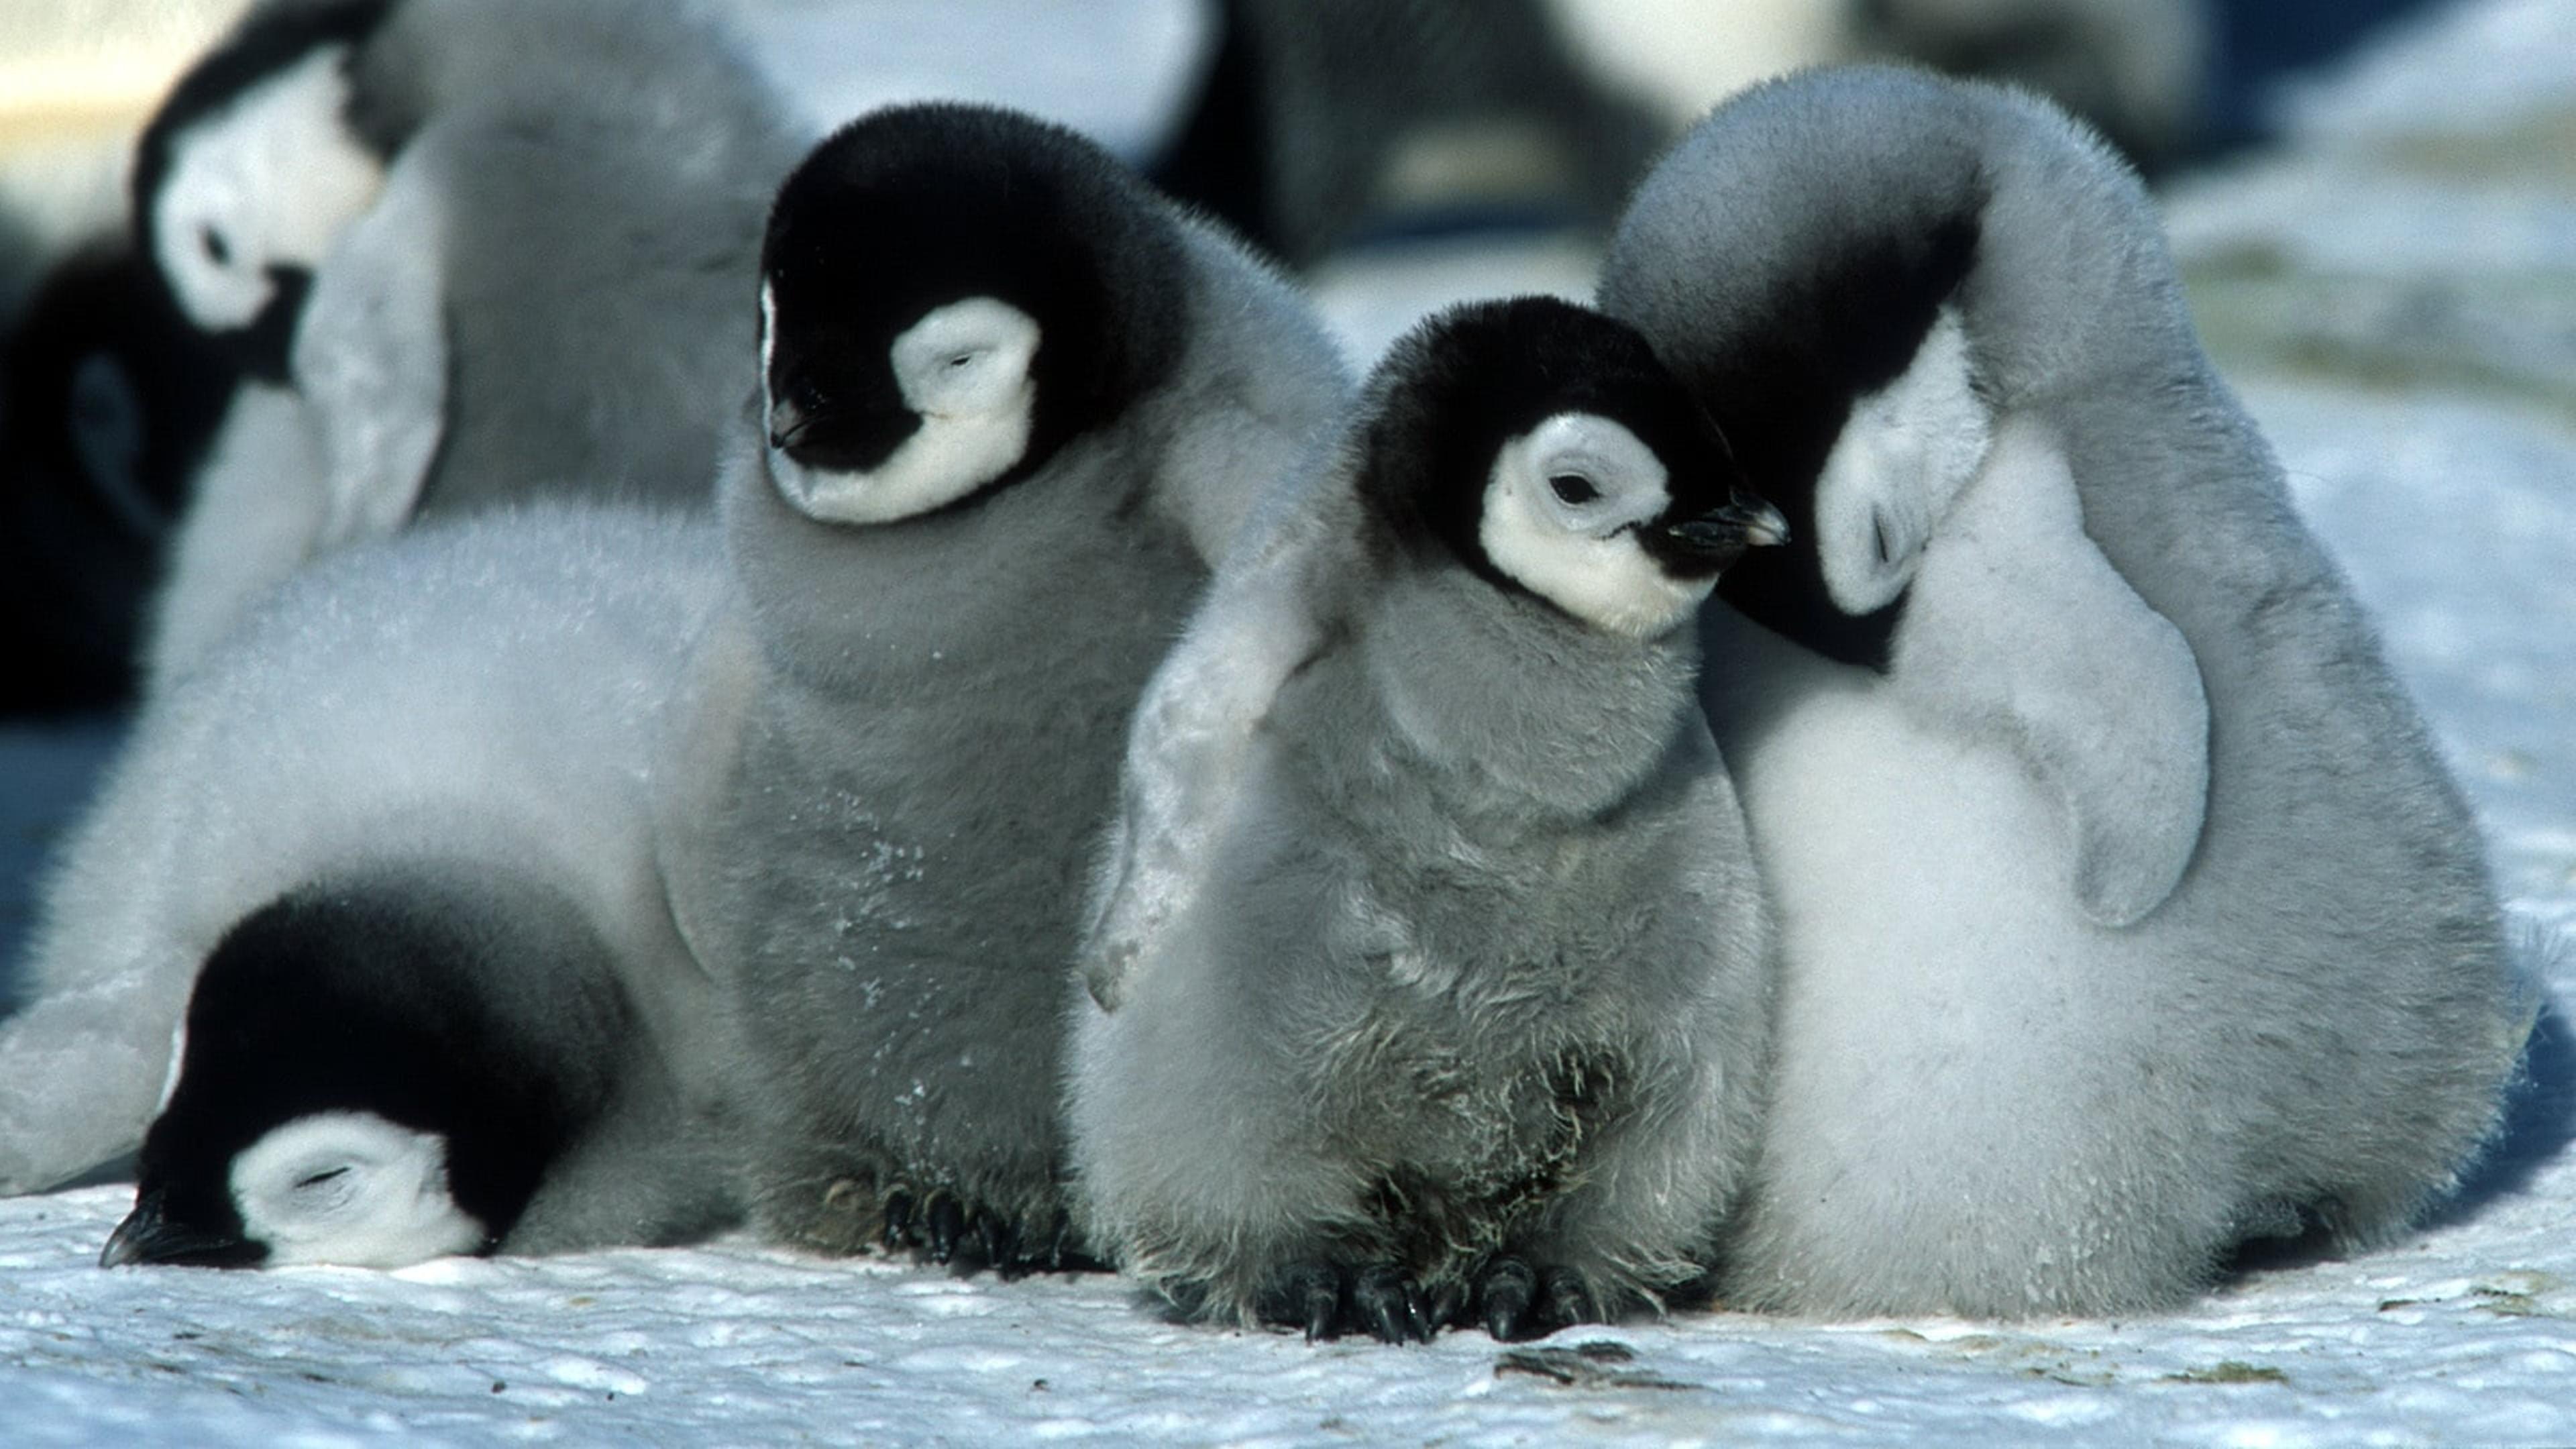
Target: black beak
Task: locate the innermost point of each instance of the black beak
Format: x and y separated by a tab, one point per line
148	1236
841	440
1722	534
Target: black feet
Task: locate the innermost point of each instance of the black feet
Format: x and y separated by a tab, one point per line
947	1230
1327	1300
1516	1301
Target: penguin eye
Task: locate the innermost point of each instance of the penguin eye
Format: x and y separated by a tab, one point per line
1573	488
217	249
317	1179
960	360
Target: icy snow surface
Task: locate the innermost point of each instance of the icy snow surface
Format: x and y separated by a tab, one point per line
2418	374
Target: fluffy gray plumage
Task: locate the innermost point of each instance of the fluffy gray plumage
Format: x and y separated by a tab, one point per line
912	742
544	297
478	701
1429	970
2127	910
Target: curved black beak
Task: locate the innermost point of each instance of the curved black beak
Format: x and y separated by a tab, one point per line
842	440
149	1236
1722	534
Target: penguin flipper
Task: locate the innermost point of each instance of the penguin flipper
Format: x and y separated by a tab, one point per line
1194	726
371	355
2019	626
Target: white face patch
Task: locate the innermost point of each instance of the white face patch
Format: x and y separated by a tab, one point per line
964	369
1903	456
352	1188
270	180
1562	507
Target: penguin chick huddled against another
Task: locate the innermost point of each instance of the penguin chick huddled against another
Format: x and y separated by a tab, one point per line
2127	910
1015	401
396	836
470	251
1429	978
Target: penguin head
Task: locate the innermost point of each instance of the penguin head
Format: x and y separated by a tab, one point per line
1542	446
949	294
340	1094
252	168
1829	313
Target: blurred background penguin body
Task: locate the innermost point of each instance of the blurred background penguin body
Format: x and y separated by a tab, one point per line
470	251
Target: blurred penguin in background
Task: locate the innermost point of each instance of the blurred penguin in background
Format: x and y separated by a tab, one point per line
467	250
108	400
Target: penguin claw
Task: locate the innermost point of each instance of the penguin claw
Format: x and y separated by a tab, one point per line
898	1219
999	1239
1564	1300
1325	1300
947	1224
1389	1304
1504	1293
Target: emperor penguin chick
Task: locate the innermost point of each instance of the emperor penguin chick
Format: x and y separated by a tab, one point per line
1014	402
1429	976
469	250
2127	910
388	849
408	1061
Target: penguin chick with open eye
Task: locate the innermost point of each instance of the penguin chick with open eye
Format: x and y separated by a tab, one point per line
2127	910
1454	1003
469	251
404	816
1014	402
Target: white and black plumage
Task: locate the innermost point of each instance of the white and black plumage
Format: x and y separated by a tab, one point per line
416	1058
1014	401
1430	973
471	250
2127	909
406	813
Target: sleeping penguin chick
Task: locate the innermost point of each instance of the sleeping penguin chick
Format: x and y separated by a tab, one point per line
468	250
383	1069
406	813
1462	1012
1013	401
2127	910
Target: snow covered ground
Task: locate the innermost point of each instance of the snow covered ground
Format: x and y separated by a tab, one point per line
2395	293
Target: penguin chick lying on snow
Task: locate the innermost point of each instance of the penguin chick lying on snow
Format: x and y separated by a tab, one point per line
469	250
2127	911
395	1065
1014	402
402	823
1429	973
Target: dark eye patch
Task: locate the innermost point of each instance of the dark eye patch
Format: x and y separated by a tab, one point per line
1573	488
218	250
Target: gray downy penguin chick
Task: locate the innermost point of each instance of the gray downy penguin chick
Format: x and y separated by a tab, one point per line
1452	1003
458	731
2127	910
1014	403
468	250
418	1060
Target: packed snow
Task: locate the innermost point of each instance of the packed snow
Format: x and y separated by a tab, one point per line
2433	449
